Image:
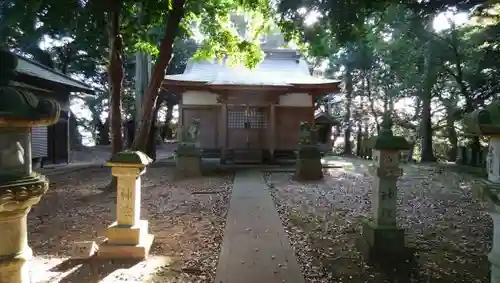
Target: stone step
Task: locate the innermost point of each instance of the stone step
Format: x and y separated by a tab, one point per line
247	156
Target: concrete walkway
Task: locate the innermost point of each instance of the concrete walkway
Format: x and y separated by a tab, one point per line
255	247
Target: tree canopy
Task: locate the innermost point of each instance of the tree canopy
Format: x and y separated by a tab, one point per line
387	53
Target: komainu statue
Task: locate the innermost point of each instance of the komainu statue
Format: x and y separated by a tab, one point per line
308	154
189	153
307	134
191	134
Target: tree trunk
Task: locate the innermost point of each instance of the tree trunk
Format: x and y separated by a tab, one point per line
347	117
103	135
115	76
412	150
475	144
174	18
452	138
372	102
151	146
430	77
115	80
427	153
142	72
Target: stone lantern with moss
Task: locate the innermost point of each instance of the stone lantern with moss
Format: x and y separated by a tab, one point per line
20	187
382	239
486	122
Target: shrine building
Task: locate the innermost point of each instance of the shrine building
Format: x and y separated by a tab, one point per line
249	116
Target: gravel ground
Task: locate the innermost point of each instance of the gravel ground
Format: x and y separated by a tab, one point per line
187	218
450	231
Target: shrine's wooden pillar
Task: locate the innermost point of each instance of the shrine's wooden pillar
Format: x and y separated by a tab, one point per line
222	100
179	121
271	129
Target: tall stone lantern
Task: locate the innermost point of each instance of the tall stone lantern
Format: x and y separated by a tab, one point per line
20	187
486	122
382	239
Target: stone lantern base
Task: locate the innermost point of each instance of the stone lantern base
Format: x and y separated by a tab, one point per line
125	241
308	166
383	245
17	196
188	162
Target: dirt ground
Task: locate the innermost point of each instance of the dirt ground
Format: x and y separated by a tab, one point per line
187	218
448	228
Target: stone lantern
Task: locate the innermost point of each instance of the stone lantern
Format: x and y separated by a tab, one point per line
128	236
20	187
308	167
486	122
382	239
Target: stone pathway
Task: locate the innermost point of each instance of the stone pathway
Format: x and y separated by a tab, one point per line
255	246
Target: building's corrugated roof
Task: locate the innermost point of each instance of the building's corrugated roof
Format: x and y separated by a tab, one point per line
275	70
323	116
32	68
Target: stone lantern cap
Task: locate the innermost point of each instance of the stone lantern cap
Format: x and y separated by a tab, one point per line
129	159
387	140
20	108
484	121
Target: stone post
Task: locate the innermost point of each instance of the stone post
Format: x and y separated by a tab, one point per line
382	240
188	154
308	167
486	122
128	236
20	187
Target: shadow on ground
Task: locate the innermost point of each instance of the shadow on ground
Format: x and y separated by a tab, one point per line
449	230
91	270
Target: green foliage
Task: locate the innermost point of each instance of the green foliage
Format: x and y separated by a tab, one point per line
346	19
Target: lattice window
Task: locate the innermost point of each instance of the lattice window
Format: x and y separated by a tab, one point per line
237	119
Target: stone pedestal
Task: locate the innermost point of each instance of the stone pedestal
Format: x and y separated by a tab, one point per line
188	162
128	237
382	241
20	188
308	166
486	122
491	193
16	198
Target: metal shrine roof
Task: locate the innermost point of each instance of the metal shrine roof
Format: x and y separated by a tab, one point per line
34	69
279	69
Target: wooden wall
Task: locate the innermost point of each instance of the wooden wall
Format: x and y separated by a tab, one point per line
292	109
209	117
287	125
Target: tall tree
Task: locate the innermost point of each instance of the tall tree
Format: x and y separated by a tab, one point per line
115	74
171	30
215	10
